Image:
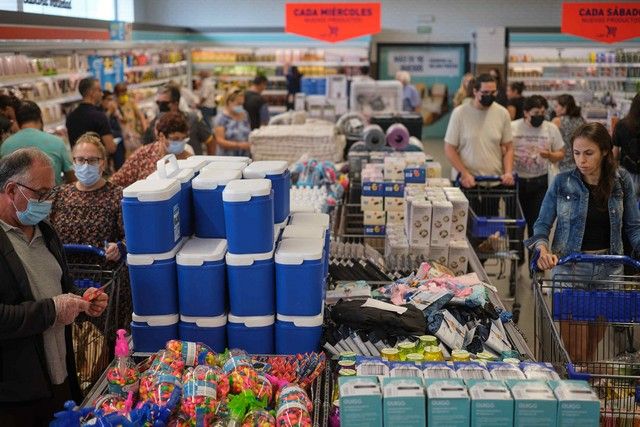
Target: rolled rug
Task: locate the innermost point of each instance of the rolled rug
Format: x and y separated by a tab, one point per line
398	136
373	137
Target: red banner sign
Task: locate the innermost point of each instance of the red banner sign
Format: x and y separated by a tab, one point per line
333	22
603	22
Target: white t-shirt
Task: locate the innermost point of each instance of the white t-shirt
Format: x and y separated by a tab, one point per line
478	134
528	141
208	92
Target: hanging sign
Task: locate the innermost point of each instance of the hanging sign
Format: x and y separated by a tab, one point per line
332	22
603	22
427	63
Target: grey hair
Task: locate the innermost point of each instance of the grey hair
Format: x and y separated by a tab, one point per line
15	166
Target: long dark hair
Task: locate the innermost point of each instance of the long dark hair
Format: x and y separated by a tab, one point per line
598	134
569	104
632	119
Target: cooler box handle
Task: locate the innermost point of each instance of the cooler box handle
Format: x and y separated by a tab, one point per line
165	171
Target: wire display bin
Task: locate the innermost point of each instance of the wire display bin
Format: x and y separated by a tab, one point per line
588	328
93	337
496	229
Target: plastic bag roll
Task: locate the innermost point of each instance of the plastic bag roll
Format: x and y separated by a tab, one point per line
398	136
373	137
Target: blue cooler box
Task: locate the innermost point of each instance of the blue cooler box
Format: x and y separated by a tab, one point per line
316	219
278	173
222	159
298	334
207	201
154	283
248	216
309	232
251	334
252	286
201	278
151	333
207	330
151	216
167	167
299	284
234	166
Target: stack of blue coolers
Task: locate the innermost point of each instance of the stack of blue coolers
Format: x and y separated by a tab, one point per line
234	283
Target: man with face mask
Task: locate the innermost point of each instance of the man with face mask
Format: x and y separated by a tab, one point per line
88	117
478	139
537	142
38	300
168	100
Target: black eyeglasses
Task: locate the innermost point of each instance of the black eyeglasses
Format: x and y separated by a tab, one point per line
43	195
94	161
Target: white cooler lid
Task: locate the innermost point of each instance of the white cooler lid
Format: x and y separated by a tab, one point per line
183	175
148	259
212	159
242	190
264	168
193	162
243	260
206	322
307	218
164	320
302	321
253	321
236	166
198	251
299	231
296	251
153	190
209	179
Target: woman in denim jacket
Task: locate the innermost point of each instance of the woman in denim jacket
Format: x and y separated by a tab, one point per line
591	206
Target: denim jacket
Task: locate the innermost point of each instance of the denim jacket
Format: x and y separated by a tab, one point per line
567	199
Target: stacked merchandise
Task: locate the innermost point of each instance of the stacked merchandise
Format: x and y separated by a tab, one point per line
289	142
317	186
187	384
217	234
389	392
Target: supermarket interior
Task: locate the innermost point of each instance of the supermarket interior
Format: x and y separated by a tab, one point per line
331	213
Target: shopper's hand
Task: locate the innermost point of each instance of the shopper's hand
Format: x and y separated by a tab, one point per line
245	146
112	253
545	154
98	301
507	179
547	260
68	306
467	180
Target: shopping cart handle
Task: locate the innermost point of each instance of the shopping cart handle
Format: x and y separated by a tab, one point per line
575	375
583	258
73	248
487	178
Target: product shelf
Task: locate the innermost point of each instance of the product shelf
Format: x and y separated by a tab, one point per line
155	66
60	100
574	78
30	78
204	64
157	82
572	64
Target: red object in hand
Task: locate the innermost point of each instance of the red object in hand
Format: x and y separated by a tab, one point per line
93	295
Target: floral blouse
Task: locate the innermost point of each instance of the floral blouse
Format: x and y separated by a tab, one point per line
139	165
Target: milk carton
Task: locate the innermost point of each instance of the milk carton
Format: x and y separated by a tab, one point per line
441	223
535	405
458	256
360	402
491	403
447	403
403	402
420	226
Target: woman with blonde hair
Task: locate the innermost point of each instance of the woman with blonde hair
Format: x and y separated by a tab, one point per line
231	126
463	91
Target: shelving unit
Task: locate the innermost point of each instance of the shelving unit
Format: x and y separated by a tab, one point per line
150	67
158	82
30	78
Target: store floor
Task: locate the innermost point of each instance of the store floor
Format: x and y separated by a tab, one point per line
435	147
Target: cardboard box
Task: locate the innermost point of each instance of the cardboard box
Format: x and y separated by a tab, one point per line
420	251
458	256
360	402
394	204
394	168
439	254
535	405
491	403
578	404
441	223
434	169
374	218
395	217
415	175
448	403
403	402
420	226
459	217
374	230
372	198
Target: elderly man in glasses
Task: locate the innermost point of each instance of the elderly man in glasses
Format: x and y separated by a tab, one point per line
38	299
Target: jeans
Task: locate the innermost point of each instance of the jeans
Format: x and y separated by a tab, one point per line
584	270
531	192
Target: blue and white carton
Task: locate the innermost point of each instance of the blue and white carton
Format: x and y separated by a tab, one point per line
360	402
491	403
578	404
403	402
535	405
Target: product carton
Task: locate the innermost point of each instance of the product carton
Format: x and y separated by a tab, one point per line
578	405
535	405
420	226
415	175
420	251
374	230
404	402
459	216
374	218
434	169
395	217
360	402
394	196
491	403
394	168
439	254
372	198
458	256
447	403
441	223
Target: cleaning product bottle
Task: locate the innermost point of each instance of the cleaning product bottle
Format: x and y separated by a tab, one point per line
123	375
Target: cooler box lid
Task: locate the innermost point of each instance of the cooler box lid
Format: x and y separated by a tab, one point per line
264	168
153	190
296	251
243	260
299	231
210	179
197	251
242	190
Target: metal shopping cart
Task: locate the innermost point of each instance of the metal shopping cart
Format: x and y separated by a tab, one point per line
496	229
589	329
93	338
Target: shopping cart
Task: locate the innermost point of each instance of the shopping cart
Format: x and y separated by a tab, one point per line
496	229
93	338
589	328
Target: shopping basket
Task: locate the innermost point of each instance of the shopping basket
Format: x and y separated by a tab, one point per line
588	328
496	228
93	338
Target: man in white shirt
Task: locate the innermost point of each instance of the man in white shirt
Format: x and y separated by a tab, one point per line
537	144
478	139
207	93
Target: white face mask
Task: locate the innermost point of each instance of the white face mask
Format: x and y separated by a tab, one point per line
238	109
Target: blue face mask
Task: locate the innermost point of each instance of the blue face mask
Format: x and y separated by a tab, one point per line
36	211
87	174
176	146
238	109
